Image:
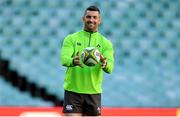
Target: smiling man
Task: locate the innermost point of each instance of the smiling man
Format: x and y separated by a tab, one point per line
91	19
83	84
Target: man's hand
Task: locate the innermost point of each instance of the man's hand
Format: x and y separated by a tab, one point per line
103	61
76	60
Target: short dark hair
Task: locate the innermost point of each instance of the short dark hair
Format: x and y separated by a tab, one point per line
92	8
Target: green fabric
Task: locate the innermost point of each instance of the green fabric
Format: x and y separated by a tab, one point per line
87	80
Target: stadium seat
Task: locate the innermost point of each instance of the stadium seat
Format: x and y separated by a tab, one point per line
19	98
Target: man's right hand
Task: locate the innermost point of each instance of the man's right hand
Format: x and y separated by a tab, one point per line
76	60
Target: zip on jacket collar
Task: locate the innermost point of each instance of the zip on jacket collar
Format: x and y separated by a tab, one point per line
90	35
90	39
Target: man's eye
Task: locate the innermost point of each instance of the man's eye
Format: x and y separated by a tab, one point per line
88	16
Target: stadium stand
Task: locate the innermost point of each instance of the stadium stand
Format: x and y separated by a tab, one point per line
11	96
145	35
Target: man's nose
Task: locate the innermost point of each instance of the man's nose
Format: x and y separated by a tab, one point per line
91	19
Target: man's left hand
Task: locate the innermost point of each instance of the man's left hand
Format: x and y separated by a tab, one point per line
103	61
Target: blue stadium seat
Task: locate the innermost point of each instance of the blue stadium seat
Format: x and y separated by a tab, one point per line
19	98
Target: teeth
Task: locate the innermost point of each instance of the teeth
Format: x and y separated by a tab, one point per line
91	24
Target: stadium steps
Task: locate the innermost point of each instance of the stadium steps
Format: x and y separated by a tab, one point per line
21	83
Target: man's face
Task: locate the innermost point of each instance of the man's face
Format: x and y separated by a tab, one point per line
91	20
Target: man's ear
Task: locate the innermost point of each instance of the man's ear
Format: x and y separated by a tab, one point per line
99	19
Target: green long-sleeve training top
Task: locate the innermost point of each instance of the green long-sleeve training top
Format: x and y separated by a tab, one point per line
86	80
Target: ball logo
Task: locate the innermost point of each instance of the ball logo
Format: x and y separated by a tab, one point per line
97	53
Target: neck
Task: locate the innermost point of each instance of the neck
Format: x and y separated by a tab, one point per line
91	31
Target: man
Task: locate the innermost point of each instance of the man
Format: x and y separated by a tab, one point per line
82	84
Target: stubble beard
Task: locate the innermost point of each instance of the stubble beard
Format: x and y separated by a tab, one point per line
91	27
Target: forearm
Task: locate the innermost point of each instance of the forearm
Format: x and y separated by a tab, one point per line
67	61
109	55
67	52
109	67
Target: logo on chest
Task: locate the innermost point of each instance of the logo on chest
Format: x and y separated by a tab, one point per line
98	46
